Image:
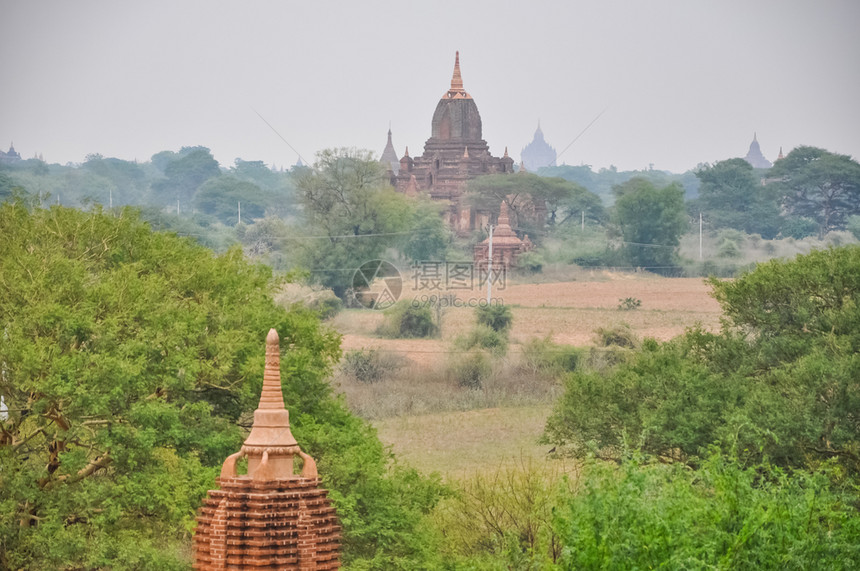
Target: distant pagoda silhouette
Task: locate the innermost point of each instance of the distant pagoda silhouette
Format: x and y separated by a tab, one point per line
269	518
754	156
538	153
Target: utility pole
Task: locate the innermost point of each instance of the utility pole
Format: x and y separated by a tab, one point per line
583	220
110	198
490	268
240	212
177	207
700	236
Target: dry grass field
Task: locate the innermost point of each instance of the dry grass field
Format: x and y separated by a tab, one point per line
435	425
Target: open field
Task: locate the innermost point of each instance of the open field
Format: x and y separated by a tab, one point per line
435	425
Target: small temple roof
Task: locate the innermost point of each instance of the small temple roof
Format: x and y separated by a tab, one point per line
503	234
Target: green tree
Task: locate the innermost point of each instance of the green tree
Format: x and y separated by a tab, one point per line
820	185
534	200
130	362
650	220
221	197
352	215
780	380
732	196
184	174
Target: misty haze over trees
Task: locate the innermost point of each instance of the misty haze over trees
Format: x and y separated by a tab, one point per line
311	218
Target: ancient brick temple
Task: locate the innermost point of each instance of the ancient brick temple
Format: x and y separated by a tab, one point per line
269	518
454	154
506	245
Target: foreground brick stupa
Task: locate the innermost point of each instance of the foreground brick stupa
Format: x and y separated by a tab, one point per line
269	518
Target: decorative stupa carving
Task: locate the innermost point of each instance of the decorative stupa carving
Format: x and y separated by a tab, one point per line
270	518
454	154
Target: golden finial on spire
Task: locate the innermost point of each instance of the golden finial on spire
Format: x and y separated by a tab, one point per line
457	79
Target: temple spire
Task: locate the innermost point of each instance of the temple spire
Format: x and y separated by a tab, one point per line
457	79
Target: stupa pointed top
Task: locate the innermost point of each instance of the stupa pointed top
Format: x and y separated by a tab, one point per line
271	429
457	91
407	152
781	156
506	151
466	153
522	166
272	398
457	79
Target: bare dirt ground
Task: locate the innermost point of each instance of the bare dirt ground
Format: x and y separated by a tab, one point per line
568	312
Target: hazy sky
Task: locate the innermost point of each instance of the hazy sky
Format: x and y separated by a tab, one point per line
682	81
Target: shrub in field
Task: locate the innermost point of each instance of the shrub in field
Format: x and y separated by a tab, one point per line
406	321
530	262
504	519
326	306
541	355
629	303
370	365
470	369
497	317
482	337
620	335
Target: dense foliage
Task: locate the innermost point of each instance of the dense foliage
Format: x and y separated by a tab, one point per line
733	197
130	361
352	215
782	379
820	185
650	220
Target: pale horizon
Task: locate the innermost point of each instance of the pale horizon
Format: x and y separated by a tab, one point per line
678	83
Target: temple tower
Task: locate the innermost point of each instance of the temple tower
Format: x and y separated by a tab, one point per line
754	156
389	156
269	518
454	154
538	153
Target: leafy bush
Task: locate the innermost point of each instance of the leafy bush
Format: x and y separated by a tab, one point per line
629	303
482	337
853	225
470	369
407	321
722	516
497	317
798	227
544	356
530	262
370	365
618	335
327	306
504	519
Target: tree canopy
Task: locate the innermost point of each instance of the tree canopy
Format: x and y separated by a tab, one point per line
820	185
732	196
779	382
352	215
130	363
650	221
